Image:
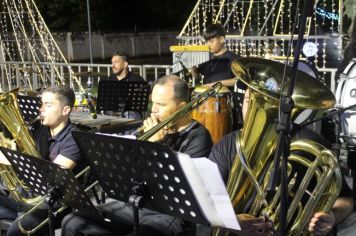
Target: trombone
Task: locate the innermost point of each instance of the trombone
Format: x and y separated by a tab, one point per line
176	116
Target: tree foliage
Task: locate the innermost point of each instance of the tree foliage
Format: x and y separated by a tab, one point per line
114	15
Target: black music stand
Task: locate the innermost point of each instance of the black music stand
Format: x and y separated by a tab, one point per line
29	107
48	179
145	174
121	96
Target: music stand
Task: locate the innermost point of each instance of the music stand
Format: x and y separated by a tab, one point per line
141	173
29	107
121	96
46	178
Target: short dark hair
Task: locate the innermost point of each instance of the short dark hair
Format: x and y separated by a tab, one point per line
214	30
124	55
64	94
180	87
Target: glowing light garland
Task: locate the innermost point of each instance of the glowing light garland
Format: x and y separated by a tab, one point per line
328	15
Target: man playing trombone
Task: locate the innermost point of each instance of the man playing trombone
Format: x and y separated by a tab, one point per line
54	141
170	94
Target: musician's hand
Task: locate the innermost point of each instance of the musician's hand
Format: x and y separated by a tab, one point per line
149	123
321	223
252	226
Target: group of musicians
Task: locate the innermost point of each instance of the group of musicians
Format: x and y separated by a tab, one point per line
170	93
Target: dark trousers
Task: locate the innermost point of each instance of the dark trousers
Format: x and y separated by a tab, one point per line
151	222
8	208
32	220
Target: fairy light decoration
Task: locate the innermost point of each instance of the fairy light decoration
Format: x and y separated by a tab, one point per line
263	28
25	37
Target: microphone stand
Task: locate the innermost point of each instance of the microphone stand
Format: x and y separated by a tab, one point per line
284	128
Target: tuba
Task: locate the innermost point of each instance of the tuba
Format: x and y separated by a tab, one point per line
11	118
314	176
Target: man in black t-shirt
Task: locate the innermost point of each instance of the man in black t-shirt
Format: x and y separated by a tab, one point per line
218	68
55	143
169	94
223	154
120	69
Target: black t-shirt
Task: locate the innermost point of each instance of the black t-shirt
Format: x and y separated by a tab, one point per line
223	153
131	77
194	140
218	67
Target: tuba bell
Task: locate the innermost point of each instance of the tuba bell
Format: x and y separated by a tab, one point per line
314	176
11	118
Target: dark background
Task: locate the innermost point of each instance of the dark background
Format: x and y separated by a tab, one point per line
108	15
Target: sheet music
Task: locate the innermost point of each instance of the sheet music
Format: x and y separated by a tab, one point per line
210	191
128	136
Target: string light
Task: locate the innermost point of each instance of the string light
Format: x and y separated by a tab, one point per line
327	15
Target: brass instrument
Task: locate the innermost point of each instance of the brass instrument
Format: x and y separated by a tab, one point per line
182	112
61	209
11	118
314	174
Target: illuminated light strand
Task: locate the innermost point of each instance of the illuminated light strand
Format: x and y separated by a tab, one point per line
328	15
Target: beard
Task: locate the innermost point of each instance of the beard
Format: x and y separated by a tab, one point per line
119	72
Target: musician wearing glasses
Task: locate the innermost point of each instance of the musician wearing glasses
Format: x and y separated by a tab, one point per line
54	141
169	94
224	153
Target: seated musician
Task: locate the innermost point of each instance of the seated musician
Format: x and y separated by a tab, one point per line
120	68
121	72
169	94
218	68
223	154
54	141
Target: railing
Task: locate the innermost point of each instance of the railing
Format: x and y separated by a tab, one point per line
32	76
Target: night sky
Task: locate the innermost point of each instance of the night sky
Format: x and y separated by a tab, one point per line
115	15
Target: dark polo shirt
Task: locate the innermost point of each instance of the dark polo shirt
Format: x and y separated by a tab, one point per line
63	143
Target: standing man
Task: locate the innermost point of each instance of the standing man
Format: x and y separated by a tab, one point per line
120	68
55	143
169	94
218	69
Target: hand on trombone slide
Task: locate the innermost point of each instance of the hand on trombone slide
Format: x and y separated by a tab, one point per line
151	122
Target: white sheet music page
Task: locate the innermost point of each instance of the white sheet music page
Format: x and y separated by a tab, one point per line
210	191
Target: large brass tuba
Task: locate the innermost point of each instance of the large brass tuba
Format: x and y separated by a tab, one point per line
314	174
11	118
